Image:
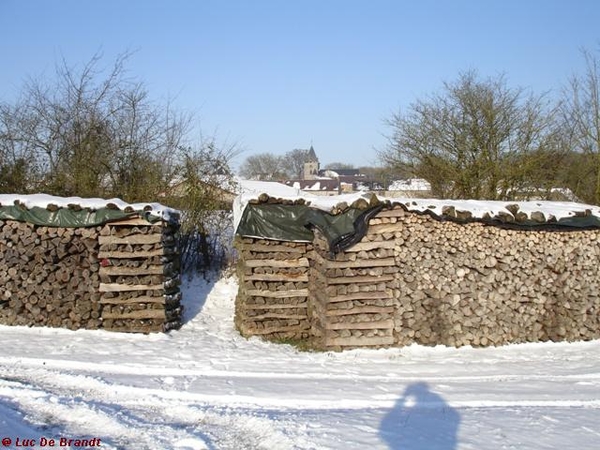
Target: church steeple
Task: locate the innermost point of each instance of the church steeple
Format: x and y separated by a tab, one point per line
311	165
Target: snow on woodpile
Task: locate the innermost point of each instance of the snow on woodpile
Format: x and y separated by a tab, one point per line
50	201
88	263
503	211
517	212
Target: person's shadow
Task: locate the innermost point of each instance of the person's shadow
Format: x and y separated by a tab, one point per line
420	420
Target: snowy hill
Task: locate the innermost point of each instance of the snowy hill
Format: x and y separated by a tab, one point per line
205	387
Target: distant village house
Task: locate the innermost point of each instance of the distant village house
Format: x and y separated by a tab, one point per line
338	181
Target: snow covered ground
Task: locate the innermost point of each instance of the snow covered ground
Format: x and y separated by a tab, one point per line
205	387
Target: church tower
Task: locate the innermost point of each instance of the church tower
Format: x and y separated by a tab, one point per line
311	165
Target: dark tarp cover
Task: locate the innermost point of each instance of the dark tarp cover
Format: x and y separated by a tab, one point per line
294	223
68	218
563	224
580	222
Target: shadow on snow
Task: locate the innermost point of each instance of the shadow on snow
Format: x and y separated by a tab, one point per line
195	290
420	420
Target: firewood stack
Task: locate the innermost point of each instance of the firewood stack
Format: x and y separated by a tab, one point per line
353	292
272	301
121	276
480	285
49	276
417	277
139	276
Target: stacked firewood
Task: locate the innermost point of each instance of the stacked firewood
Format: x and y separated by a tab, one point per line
475	284
273	289
427	279
122	276
353	292
49	276
139	276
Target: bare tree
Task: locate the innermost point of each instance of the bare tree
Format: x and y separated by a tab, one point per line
581	112
293	163
92	132
467	140
204	191
270	167
382	177
263	167
96	133
18	166
339	165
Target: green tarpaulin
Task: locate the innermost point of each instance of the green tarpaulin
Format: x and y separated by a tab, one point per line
68	218
295	223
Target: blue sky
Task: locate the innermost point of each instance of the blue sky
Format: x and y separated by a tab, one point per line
272	76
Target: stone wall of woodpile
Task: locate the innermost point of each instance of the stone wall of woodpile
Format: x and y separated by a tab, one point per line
414	278
273	289
121	276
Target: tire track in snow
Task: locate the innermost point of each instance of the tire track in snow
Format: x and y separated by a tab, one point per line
183	420
76	417
83	386
112	369
126	417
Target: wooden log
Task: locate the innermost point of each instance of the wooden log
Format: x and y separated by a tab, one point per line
143	314
367	246
386	324
262	248
134	239
272	330
383	229
277	316
359	341
372	295
300	262
134	300
360	279
133	328
360	310
119	287
252	307
396	212
123	270
277	294
134	221
283	277
365	263
133	254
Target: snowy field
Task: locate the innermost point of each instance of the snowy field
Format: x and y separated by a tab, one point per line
205	387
